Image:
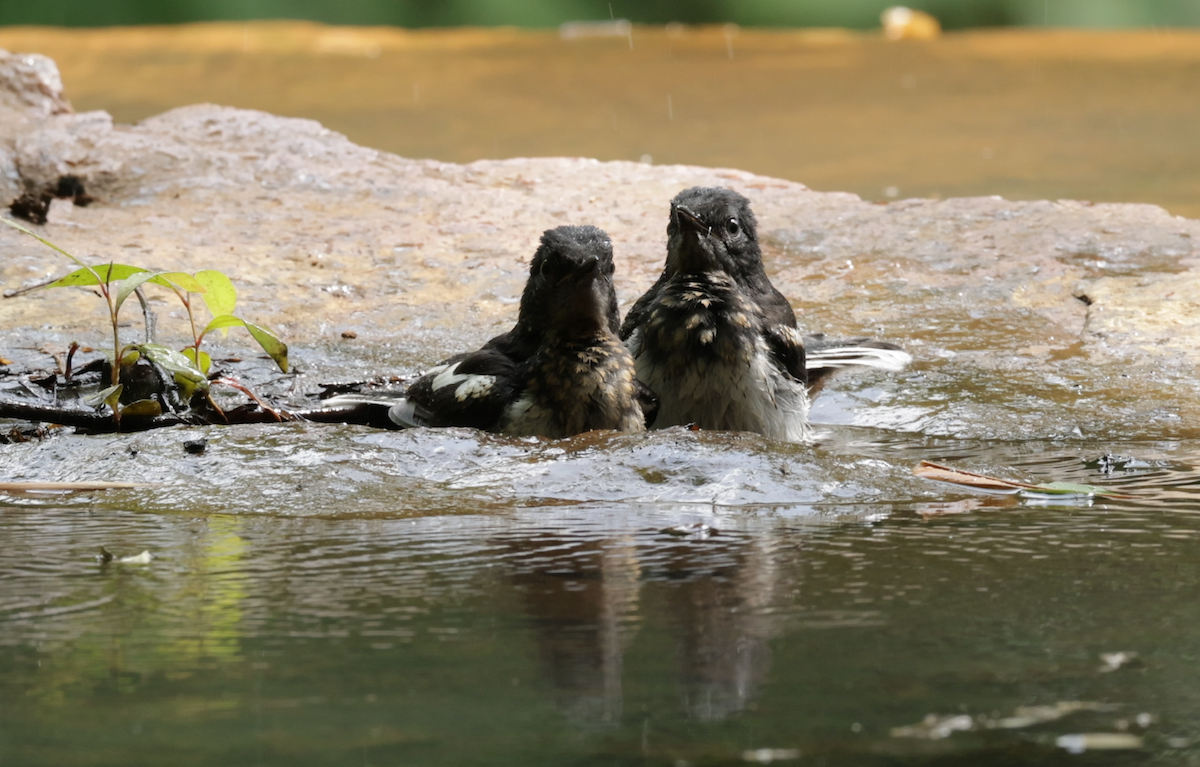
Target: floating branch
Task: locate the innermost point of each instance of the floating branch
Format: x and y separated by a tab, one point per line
934	471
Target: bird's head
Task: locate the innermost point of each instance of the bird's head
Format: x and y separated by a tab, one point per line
570	287
712	229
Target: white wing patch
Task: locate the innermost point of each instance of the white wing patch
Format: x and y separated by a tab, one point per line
474	386
469	384
444	375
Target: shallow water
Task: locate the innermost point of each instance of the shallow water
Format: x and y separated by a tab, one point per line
326	595
1026	114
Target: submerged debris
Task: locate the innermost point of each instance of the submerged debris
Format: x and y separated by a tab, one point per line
697	531
196	446
768	755
44	488
1115	660
1098	741
105	557
936	727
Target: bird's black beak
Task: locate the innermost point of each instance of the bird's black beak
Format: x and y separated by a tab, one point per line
689	220
587	268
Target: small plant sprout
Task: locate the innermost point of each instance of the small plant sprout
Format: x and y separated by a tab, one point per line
220	298
189	367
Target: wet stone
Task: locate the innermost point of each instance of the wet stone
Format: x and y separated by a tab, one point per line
1026	319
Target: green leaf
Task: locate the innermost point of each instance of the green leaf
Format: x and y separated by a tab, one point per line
224	321
219	294
270	343
104	395
187	375
186	388
40	239
103	273
132	283
181	280
147	407
113	400
205	361
96	275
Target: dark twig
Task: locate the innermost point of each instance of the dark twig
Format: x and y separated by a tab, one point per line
102	422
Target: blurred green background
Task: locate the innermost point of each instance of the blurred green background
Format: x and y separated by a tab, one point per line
549	13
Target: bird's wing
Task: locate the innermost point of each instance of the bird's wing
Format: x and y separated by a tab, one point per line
787	348
637	313
775	307
466	390
779	328
518	344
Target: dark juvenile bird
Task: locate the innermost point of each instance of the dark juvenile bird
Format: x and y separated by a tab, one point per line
717	342
560	371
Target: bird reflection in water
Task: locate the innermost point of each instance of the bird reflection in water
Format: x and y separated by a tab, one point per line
581	598
721	612
586	600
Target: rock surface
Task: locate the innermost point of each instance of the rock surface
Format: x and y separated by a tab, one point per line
1026	319
30	91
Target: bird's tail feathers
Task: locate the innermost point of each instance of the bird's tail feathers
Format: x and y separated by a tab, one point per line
823	358
375	409
408	414
883	357
381	398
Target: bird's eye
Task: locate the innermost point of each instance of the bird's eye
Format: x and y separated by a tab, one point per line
544	269
732	227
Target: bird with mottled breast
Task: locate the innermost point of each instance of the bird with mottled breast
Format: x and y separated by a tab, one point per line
716	341
560	371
